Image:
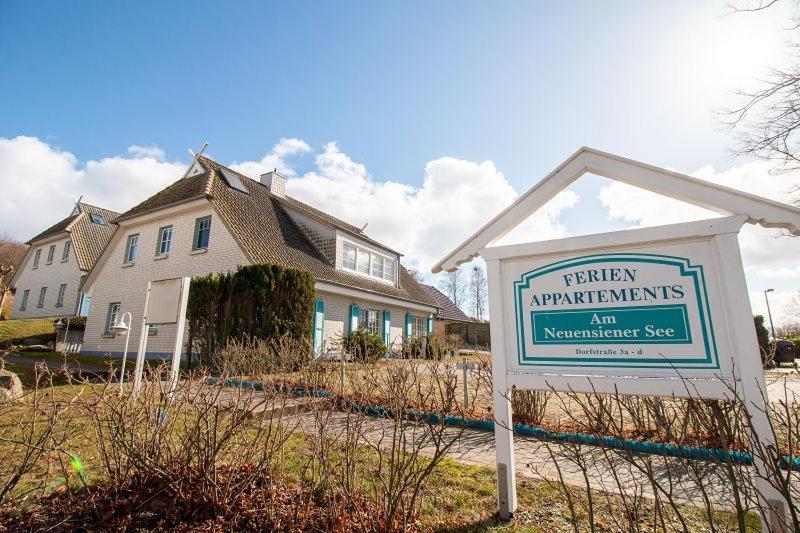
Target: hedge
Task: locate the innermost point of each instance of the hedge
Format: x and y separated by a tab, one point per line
255	302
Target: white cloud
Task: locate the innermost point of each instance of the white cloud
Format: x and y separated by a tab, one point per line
153	152
276	158
40	183
782	304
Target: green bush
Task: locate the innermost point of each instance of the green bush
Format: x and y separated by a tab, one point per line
763	339
255	302
363	345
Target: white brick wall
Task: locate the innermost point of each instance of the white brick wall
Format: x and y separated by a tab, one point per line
116	282
337	316
47	275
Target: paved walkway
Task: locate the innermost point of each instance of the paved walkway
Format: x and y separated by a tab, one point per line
540	460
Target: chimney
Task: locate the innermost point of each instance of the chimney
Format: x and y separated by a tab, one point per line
275	183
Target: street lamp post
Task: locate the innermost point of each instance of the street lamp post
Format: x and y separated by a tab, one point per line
123	328
769	313
60	324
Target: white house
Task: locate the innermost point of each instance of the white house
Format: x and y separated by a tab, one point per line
57	261
215	219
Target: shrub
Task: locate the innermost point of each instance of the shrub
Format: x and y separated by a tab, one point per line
260	301
363	345
763	339
255	357
424	347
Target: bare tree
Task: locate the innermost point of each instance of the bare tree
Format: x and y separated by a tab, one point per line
478	292
11	254
767	119
454	286
414	273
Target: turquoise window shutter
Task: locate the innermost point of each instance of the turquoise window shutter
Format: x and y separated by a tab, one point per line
387	326
409	322
355	313
319	325
430	324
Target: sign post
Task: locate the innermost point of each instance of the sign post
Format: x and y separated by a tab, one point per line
660	311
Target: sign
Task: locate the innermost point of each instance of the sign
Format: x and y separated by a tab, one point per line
620	310
661	311
165	301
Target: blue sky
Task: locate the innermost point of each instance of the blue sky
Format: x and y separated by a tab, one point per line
395	85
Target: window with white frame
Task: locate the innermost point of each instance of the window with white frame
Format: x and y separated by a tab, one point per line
24	304
349	257
50	253
36	257
418	326
65	253
42	293
60	298
369	321
202	233
112	317
164	240
367	262
132	248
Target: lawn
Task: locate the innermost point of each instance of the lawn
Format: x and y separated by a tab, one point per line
24	328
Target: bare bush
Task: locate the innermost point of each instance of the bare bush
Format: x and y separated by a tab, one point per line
254	357
184	440
32	437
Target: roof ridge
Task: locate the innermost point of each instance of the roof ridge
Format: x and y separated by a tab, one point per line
98	207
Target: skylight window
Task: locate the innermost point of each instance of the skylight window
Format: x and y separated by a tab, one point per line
97	219
233	180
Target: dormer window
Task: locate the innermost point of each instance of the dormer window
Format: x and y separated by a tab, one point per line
367	262
97	219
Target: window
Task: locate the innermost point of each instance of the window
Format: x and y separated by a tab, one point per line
362	261
36	258
65	253
377	266
388	270
349	257
42	293
152	330
50	253
24	304
369	320
366	262
112	317
132	248
60	298
202	233
164	240
418	327
97	219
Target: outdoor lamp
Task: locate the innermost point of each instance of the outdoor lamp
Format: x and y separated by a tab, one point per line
120	327
60	324
123	328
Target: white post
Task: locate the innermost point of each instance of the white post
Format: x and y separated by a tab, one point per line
137	373
181	326
754	389
466	386
503	423
125	351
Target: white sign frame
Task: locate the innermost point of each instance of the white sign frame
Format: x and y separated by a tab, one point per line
171	302
737	206
746	377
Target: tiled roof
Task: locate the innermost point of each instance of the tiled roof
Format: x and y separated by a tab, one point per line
88	239
259	221
447	309
325	218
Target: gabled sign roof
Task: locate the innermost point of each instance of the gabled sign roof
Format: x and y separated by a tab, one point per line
721	199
